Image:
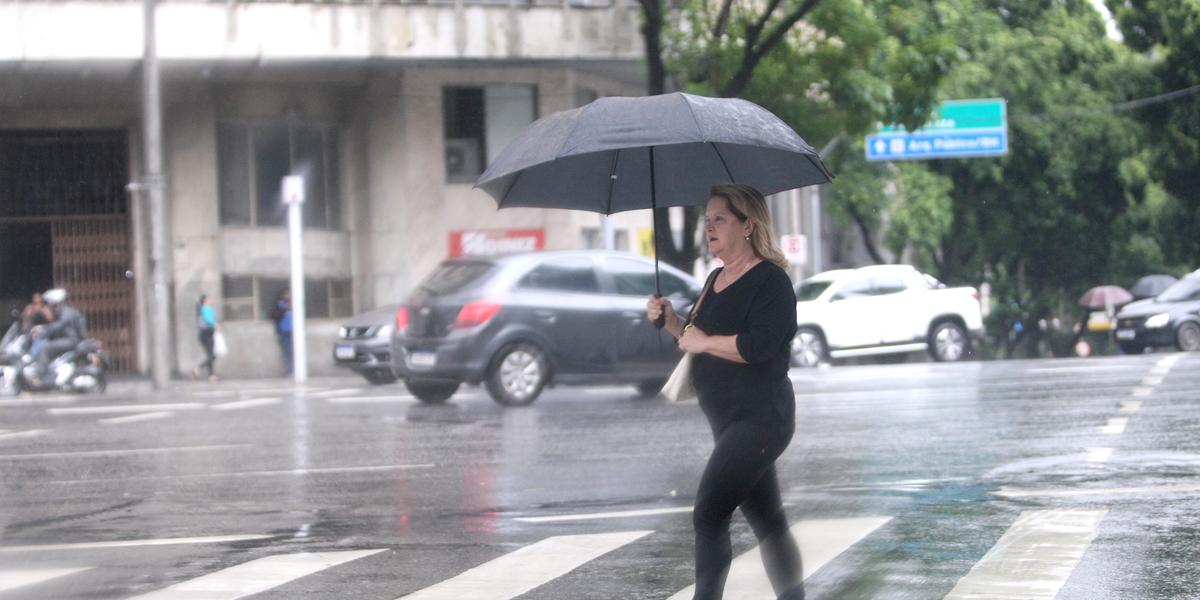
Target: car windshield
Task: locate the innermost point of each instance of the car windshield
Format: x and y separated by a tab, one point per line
1182	290
453	276
809	290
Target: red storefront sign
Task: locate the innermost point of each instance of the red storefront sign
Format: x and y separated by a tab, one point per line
482	242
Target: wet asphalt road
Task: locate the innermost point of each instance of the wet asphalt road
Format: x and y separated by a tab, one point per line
1074	479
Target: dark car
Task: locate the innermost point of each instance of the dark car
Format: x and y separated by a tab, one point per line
520	322
364	345
1171	318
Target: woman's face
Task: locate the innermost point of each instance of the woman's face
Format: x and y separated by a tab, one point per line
725	233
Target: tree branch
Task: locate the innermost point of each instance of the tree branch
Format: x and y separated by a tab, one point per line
868	243
722	20
754	54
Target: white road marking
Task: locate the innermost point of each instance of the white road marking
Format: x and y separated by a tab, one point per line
1131	406
1155	490
334	393
606	515
522	570
13	579
1142	392
23	434
820	541
123	452
150	416
255	576
247	403
1151	381
1160	371
1169	361
125	408
1115	425
1099	455
212	539
215	393
372	400
1033	559
317	471
27	401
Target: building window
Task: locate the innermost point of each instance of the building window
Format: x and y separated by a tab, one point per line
593	239
254	157
248	298
479	121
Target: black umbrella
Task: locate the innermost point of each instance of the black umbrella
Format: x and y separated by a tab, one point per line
618	154
1151	285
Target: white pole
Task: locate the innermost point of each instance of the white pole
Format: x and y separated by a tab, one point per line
607	229
293	195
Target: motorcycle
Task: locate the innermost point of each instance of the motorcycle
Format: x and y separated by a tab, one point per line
83	369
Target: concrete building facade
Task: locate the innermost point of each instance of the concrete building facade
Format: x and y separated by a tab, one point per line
389	110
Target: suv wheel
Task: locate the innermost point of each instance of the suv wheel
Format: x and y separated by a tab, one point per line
948	342
432	392
1187	337
808	348
518	374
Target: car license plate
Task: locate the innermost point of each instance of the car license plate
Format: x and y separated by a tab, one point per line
1126	334
344	352
422	359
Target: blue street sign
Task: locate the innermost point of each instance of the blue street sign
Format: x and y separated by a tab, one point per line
913	146
958	128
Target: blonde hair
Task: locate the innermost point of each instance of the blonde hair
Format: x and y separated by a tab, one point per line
748	204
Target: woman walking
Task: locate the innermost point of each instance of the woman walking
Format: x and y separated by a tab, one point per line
206	325
741	341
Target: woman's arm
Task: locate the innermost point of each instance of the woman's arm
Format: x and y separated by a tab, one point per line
720	346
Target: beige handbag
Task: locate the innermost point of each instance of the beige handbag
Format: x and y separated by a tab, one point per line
678	387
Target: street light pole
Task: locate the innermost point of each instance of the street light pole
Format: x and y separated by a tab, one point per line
154	182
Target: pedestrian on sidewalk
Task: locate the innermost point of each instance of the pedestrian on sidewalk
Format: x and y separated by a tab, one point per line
282	314
206	327
740	340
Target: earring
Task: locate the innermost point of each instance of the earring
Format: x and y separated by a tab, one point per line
747	238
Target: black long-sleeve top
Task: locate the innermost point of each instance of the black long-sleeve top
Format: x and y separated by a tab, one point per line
760	309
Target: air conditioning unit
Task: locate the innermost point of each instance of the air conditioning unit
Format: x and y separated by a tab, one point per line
463	160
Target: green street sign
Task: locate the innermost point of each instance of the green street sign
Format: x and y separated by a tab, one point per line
959	115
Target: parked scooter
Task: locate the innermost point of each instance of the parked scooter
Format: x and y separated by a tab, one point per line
83	369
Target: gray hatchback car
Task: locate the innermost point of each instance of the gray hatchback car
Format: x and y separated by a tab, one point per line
520	322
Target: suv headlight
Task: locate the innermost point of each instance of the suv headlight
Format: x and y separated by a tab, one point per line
343	333
1159	320
385	331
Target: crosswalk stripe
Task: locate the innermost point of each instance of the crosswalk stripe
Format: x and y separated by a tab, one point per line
255	576
1033	559
150	416
334	393
212	539
649	512
22	434
1115	425
11	580
820	541
125	408
248	403
371	399
522	570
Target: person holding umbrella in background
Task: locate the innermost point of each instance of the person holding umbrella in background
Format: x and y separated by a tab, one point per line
206	328
741	340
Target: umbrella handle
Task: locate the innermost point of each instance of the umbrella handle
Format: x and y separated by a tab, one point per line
661	321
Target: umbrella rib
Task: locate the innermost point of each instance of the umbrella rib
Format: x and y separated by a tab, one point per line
723	165
508	189
612	180
820	167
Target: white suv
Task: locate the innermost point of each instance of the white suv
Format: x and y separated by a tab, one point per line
883	309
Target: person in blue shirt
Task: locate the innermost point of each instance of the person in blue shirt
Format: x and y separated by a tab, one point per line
282	314
206	326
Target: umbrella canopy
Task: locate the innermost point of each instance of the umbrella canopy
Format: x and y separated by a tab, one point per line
1151	285
618	154
1105	297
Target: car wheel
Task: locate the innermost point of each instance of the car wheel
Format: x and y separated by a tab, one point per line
1187	337
1131	347
518	374
948	342
808	348
379	377
651	388
432	392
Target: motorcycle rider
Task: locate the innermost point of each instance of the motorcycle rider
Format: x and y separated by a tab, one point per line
68	329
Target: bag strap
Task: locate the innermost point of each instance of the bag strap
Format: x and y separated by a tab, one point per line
696	307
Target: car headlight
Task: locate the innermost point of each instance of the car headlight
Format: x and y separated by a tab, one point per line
1159	320
343	333
385	331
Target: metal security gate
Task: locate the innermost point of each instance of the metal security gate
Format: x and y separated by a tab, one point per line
73	183
91	260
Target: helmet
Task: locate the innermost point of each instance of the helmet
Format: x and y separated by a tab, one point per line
55	296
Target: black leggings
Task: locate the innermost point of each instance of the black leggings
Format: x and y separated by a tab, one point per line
741	472
206	341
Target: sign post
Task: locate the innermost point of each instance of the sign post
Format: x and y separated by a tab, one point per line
293	197
959	128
